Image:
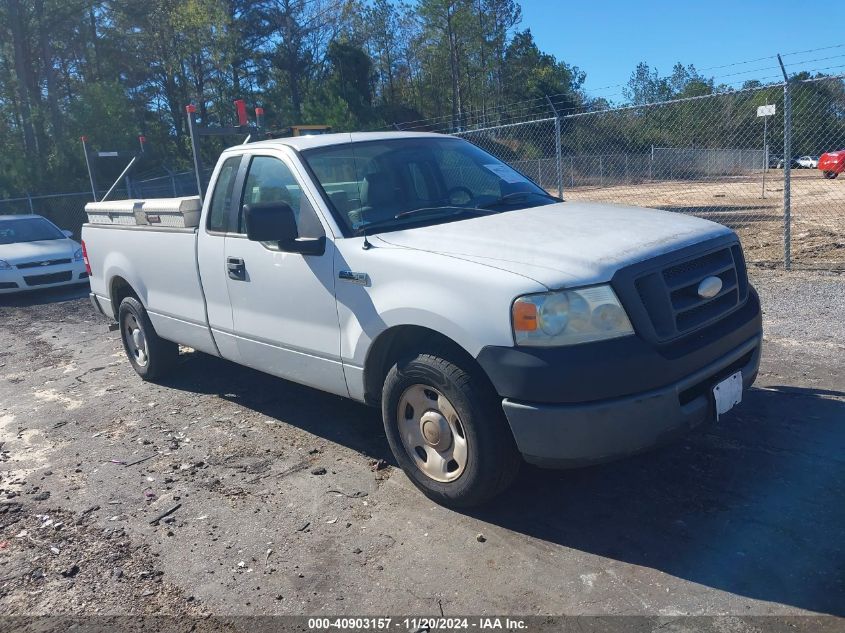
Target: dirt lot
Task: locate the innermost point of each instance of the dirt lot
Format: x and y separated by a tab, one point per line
818	211
744	517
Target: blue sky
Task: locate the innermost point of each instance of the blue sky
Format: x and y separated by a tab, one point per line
608	38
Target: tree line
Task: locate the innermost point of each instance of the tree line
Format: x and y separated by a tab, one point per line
115	69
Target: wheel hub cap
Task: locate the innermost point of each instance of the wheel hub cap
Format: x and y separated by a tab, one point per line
432	433
435	430
136	342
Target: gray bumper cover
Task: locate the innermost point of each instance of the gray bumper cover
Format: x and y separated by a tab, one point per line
567	435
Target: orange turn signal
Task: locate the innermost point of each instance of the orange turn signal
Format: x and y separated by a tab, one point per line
524	316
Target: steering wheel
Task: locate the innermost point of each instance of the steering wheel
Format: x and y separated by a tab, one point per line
455	197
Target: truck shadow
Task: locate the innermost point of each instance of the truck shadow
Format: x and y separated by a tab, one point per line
753	505
322	414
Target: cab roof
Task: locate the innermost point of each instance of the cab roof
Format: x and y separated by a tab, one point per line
324	140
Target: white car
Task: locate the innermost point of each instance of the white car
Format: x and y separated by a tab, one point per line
808	162
488	320
35	253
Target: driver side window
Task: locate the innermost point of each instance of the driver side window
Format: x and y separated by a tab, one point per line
270	180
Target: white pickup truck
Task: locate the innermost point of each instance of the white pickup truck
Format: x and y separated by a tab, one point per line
490	321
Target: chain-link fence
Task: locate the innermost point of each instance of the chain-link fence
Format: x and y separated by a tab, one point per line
817	209
67	210
712	156
716	156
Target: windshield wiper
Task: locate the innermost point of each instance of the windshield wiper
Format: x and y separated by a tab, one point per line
504	199
412	212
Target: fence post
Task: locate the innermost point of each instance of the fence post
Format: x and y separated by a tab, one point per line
29	200
172	178
651	164
787	169
558	148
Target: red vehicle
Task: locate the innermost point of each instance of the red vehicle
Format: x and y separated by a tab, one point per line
832	164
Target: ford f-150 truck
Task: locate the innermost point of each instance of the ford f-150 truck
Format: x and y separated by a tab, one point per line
491	322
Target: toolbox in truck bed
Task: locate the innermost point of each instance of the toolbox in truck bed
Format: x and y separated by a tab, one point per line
172	212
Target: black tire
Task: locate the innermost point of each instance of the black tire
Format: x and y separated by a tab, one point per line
159	355
830	175
492	460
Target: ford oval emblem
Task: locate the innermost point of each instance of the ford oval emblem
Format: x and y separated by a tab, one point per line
709	287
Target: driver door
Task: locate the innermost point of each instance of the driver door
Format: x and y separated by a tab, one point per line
283	304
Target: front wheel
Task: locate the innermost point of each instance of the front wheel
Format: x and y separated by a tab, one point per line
447	430
150	355
830	175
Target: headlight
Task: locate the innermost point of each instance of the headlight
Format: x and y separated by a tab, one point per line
566	317
4	265
77	255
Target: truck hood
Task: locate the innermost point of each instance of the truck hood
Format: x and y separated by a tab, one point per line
22	252
563	244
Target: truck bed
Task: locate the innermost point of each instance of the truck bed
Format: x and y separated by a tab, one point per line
160	264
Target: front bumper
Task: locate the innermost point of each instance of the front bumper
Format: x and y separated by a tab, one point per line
581	404
18	280
568	435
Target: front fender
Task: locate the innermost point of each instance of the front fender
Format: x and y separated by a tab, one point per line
464	301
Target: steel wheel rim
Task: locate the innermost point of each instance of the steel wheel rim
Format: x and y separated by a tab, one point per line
136	342
432	433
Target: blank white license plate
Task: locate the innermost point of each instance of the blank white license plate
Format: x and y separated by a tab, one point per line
728	393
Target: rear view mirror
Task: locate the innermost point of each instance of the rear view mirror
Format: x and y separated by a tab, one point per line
276	222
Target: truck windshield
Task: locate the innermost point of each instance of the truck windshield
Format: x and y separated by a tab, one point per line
390	184
28	230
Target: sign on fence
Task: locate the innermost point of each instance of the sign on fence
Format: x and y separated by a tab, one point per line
766	110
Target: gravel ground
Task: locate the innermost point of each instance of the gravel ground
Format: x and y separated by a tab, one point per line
285	500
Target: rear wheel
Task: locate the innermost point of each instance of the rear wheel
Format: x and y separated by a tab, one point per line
830	175
150	355
447	430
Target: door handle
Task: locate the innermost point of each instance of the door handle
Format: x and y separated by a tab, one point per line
362	279
236	267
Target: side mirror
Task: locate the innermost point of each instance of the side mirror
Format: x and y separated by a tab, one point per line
276	222
67	233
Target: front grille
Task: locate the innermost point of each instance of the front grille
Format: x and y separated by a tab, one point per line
670	296
46	262
53	278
